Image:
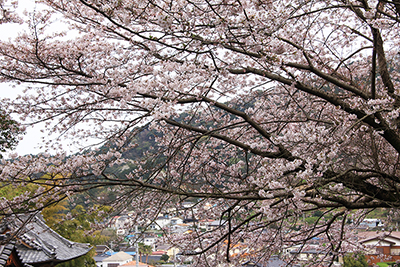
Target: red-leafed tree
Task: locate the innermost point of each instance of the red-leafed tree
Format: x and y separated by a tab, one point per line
291	107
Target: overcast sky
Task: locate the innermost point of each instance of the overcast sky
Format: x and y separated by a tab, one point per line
32	139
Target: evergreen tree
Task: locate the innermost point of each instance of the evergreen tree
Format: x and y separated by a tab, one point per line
355	260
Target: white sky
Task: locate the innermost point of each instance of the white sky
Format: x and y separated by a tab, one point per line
32	139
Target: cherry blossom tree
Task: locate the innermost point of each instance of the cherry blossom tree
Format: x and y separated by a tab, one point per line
290	107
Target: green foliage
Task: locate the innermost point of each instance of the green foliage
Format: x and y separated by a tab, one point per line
317	213
145	250
312	220
355	260
9	191
83	261
54	214
164	257
9	131
388	264
73	225
32	189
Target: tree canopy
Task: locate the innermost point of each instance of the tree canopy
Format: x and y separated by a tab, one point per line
9	132
357	260
292	107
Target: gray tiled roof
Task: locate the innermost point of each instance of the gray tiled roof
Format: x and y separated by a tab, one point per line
37	243
5	252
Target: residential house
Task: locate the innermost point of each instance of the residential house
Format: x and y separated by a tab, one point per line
99	259
179	228
148	239
176	220
160	223
381	246
172	252
302	254
161	248
101	249
274	261
372	223
204	224
133	264
129	250
216	224
117	259
191	222
187	204
122	224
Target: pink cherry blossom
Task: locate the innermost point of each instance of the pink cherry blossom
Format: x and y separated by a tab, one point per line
261	111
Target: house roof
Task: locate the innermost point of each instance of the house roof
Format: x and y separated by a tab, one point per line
372	234
162	247
120	256
159	252
133	264
35	242
101	249
218	223
206	220
101	257
274	261
129	249
381	236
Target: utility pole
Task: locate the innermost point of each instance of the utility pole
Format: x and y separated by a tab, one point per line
137	246
174	257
